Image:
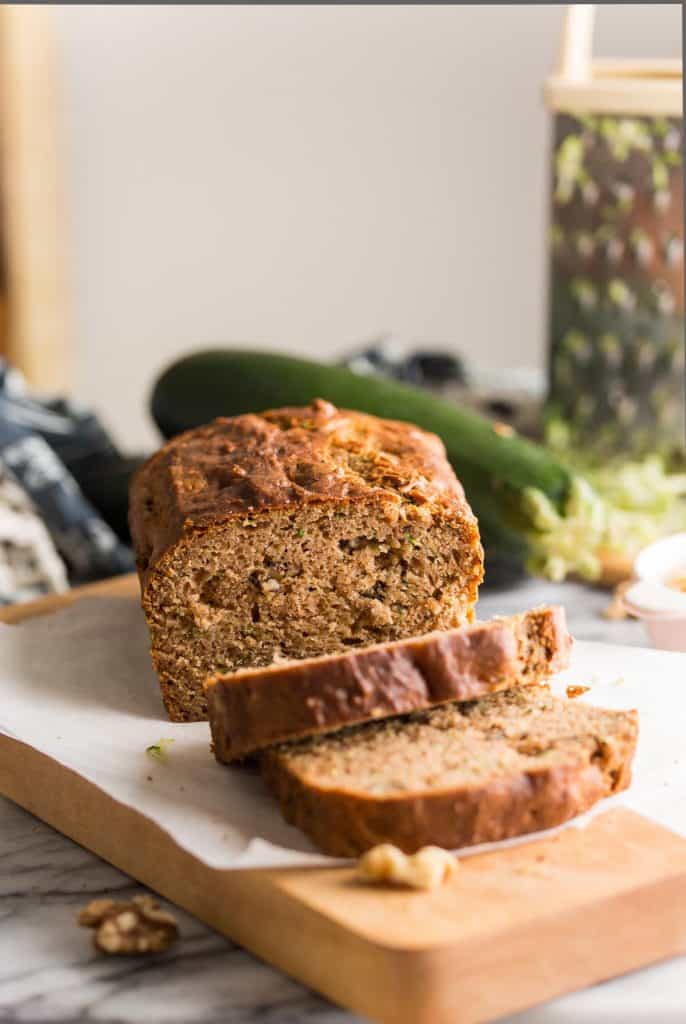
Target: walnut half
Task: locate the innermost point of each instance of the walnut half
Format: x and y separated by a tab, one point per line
426	869
130	928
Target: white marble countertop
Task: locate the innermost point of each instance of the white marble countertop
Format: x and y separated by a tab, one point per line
49	971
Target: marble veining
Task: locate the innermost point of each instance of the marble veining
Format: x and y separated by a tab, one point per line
49	971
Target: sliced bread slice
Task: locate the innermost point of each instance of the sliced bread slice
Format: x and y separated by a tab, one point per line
511	763
255	708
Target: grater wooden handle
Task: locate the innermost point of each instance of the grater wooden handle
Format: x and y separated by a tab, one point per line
576	44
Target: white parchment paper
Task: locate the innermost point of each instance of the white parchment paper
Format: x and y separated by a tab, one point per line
78	686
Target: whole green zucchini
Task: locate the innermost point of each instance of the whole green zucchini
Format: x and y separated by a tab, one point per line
526	500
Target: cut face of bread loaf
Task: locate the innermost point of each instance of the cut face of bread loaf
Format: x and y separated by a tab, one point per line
254	708
292	534
511	763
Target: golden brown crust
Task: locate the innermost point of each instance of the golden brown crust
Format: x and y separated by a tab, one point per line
253	464
254	708
344	822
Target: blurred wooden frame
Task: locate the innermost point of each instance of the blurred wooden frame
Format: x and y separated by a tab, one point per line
34	321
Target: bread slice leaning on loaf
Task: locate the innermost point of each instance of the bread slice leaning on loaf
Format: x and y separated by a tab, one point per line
511	763
254	708
296	533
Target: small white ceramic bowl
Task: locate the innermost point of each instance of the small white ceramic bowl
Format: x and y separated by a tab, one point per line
661	607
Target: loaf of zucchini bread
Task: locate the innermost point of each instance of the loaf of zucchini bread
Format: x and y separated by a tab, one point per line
254	708
511	763
292	534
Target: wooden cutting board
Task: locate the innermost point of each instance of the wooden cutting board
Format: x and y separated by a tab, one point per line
512	929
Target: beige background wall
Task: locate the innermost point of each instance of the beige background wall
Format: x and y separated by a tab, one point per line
308	177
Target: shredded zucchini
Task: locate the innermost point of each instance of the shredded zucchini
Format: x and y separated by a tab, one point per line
619	506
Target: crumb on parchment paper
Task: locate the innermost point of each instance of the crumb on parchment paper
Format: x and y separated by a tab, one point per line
158	751
577	691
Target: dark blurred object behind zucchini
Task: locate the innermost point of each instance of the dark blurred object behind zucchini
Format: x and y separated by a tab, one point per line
511	395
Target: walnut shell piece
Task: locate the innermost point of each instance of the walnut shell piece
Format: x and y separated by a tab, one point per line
129	928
